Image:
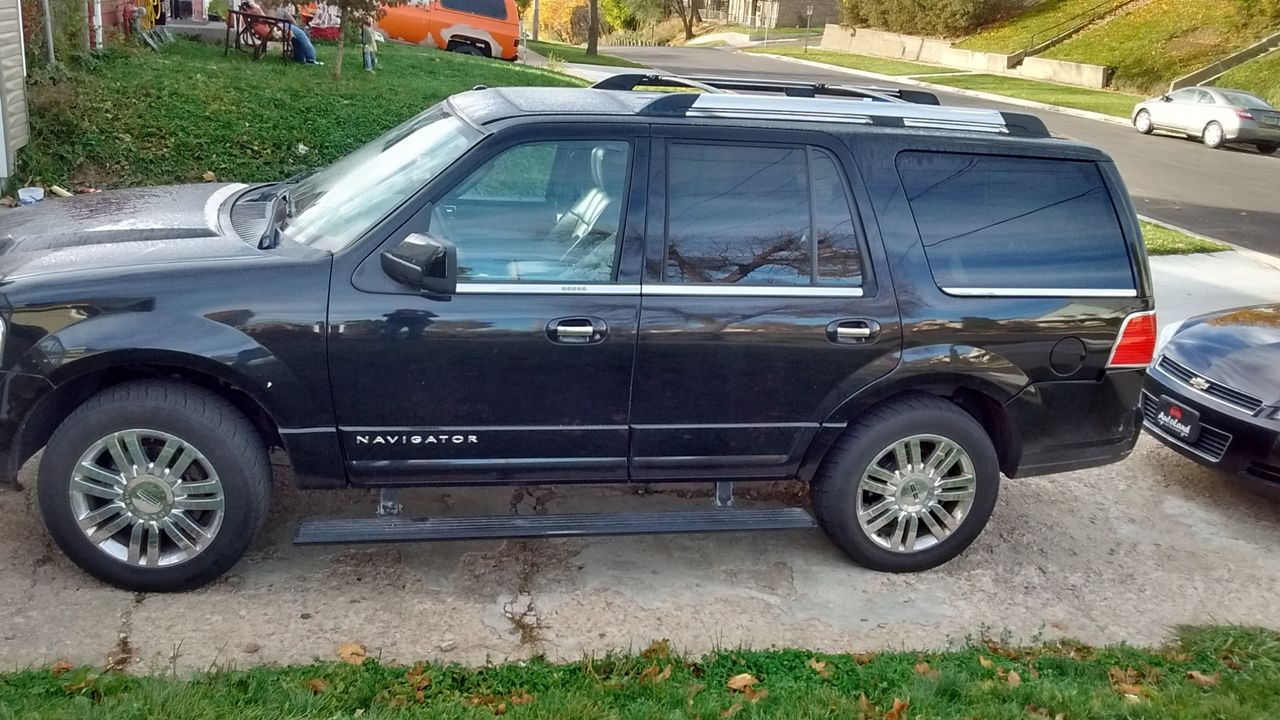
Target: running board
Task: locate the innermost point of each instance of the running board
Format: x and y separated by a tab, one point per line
321	531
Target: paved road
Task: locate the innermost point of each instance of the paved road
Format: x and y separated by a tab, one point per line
1229	194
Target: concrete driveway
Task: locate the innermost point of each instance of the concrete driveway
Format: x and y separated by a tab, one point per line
1118	553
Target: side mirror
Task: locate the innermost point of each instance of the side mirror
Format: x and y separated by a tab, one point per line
425	262
1165	98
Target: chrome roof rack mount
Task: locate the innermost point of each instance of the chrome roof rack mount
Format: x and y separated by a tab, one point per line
791	88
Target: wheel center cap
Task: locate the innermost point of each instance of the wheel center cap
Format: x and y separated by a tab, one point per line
149	496
913	494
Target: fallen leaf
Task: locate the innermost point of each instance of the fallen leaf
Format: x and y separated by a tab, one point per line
653	674
524	698
1128	676
732	710
1014	679
819	667
419	696
657	650
250	648
923	669
417	677
1199	678
317	685
1130	690
1232	664
754	696
1036	711
501	709
1001	651
863	658
351	653
741	682
60	667
985	662
898	711
78	686
209	176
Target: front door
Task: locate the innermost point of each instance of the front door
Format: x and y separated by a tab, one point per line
524	374
761	312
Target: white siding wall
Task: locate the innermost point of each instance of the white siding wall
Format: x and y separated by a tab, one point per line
13	97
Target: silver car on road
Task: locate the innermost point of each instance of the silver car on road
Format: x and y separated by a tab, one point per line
1216	116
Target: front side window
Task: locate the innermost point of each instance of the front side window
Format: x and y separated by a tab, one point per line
539	212
990	221
496	9
751	215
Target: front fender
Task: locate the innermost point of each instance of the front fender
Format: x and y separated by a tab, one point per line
247	355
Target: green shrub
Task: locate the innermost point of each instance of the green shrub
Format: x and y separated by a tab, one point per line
947	18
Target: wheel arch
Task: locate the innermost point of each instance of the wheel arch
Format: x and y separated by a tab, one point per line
82	380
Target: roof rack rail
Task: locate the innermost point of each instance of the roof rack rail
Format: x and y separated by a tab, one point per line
859	112
791	88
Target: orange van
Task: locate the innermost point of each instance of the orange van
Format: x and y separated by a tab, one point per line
475	27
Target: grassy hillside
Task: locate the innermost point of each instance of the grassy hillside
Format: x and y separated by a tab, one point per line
1042	22
1162	40
1260	77
137	117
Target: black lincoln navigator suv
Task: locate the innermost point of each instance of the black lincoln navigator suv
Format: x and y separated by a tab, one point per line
893	301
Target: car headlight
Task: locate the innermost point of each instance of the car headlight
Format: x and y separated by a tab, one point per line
1166	334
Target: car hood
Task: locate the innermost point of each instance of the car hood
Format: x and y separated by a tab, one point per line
117	228
1239	348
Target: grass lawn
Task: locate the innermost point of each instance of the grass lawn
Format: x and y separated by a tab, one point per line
1163	241
142	118
883	66
574	54
1103	101
1162	40
1219	673
1040	23
1260	76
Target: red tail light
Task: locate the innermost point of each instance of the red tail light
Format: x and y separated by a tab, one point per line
1243	114
1136	344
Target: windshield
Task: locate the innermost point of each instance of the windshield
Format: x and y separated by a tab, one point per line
1245	100
333	207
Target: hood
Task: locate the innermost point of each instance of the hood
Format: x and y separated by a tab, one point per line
116	228
1239	348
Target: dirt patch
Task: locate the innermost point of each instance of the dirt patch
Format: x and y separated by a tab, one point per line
1198	40
516	566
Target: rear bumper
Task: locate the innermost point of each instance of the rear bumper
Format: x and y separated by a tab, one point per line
1073	425
1252	132
1231	439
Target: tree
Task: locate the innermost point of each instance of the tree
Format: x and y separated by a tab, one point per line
353	14
685	13
593	26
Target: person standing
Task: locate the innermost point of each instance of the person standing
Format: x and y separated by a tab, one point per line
369	43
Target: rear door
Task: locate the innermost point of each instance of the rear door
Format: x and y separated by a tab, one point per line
761	307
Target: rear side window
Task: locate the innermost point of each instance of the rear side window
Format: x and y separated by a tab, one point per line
752	215
991	222
496	9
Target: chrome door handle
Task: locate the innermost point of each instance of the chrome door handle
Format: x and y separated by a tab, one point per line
577	330
853	332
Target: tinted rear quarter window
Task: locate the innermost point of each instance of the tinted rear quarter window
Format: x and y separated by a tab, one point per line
999	222
496	9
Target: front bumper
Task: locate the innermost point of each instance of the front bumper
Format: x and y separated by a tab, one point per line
1231	439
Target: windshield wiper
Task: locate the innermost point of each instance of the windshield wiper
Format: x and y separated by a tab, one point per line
277	215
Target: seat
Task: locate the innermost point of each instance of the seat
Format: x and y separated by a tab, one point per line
586	217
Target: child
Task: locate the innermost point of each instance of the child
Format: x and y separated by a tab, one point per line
369	41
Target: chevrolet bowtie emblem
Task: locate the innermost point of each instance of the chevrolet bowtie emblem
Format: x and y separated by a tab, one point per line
1199	383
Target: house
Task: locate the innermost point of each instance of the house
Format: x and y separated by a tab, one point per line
775	13
14	128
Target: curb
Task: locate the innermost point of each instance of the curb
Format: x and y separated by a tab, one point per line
990	97
1260	257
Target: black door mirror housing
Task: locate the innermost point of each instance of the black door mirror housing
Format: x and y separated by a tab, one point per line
1165	98
424	261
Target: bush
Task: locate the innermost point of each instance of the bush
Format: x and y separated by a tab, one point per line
947	18
557	19
1264	13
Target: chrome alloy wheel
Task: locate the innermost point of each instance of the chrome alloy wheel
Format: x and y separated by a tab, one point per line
1143	122
147	498
916	493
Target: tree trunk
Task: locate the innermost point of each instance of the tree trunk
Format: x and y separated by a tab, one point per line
593	26
342	39
694	11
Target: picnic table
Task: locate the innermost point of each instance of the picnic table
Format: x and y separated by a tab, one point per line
250	31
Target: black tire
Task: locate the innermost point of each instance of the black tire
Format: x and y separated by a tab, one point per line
1213	136
1138	122
467	49
199	418
835	491
1267	149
